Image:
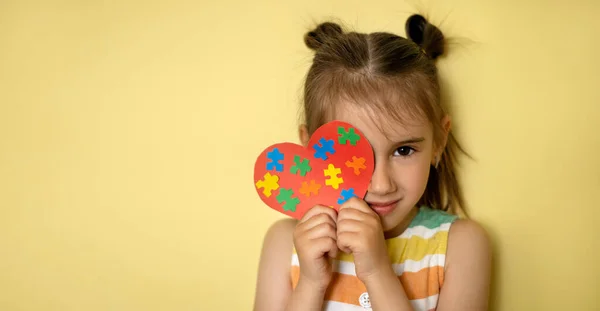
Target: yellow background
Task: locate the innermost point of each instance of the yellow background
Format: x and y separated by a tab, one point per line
129	129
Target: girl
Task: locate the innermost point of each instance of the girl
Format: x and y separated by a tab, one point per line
403	247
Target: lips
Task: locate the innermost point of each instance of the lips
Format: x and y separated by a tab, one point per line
383	208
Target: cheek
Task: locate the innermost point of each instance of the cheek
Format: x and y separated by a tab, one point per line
413	176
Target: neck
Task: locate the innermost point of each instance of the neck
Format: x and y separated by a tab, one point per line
403	225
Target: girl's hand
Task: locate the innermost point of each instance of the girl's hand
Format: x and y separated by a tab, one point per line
315	241
360	233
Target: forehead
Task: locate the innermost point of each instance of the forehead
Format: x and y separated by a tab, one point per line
380	128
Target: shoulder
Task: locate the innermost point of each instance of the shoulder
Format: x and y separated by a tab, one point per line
280	234
278	242
467	238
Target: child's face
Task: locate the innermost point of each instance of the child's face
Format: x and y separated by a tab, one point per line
402	163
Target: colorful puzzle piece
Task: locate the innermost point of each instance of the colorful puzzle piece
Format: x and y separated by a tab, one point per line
346	195
334	181
275	156
357	164
349	135
269	183
323	147
285	195
310	188
303	166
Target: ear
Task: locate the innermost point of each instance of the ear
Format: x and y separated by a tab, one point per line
303	135
446	123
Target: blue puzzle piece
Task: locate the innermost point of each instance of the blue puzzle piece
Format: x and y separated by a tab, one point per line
346	195
323	147
275	157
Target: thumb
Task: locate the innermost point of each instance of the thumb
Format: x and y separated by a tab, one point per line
344	245
333	252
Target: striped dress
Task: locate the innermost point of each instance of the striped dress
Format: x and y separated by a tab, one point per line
417	256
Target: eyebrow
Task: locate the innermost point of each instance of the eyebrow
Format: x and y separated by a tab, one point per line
411	140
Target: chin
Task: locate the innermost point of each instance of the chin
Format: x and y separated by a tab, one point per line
396	216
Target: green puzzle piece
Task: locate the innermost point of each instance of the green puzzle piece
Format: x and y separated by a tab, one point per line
285	195
303	166
346	136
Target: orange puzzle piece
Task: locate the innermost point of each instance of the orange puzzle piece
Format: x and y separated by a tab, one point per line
357	164
310	188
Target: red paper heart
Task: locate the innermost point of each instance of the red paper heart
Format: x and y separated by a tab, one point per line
337	164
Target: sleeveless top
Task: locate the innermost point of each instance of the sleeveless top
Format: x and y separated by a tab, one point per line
417	257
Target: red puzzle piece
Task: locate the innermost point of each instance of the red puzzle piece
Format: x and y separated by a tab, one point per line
337	164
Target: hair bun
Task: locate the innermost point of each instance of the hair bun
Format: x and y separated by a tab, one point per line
426	35
326	31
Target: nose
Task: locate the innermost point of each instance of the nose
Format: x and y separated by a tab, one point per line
382	182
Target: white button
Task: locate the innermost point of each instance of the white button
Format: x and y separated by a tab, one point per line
364	300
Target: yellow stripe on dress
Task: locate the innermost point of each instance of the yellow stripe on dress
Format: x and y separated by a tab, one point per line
414	248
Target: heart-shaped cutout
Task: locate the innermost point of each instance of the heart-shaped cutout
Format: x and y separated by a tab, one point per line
336	165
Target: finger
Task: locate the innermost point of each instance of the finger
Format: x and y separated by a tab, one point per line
324	245
315	221
352	213
349	225
346	241
324	229
358	204
319	209
333	252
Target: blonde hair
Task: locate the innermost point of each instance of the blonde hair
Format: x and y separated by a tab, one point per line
398	78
